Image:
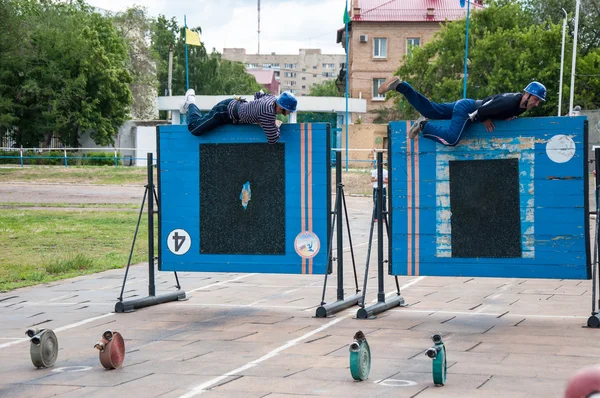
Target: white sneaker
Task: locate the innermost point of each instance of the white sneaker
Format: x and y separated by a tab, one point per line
190	98
417	127
389	85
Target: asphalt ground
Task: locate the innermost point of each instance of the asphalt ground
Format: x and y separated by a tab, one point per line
256	335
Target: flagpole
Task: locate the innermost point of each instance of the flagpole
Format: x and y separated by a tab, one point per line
187	84
347	72
466	50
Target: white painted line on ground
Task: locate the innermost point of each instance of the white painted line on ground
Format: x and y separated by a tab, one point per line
242	306
401	310
220	283
60	329
202	388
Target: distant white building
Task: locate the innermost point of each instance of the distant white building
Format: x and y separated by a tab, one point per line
296	73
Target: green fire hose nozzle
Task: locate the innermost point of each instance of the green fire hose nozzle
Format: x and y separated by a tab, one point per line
360	357
438	354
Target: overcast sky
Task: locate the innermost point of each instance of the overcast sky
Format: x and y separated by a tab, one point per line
285	25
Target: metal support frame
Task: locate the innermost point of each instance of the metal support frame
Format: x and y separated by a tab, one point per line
151	299
382	217
594	319
325	310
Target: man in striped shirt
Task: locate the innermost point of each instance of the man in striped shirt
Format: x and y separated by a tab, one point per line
262	111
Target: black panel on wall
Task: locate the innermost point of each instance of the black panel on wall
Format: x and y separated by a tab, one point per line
228	173
485	205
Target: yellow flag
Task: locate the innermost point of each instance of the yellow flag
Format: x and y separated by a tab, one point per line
192	38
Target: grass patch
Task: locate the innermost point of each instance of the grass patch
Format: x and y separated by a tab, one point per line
40	246
108	175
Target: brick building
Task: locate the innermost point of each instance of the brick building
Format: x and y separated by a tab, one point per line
381	32
295	72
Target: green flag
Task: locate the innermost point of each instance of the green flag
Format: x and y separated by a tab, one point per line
346	16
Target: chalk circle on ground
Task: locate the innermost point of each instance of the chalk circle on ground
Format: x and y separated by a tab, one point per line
560	148
72	369
307	244
396	383
179	242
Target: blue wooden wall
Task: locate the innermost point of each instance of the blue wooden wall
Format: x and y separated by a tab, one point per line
307	193
553	197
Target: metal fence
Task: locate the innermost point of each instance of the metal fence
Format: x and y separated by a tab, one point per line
68	156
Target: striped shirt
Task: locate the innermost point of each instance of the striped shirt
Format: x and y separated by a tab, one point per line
261	110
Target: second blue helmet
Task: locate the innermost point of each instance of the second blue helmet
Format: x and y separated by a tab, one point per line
537	89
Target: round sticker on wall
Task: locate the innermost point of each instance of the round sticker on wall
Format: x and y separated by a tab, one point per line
307	244
179	242
560	148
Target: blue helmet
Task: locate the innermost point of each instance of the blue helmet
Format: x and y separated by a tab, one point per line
287	101
536	89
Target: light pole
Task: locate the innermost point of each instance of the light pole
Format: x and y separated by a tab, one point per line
462	4
562	62
574	58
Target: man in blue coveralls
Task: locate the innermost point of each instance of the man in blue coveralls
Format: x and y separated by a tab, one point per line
505	106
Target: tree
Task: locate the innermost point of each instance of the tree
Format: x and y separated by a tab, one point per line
11	41
506	52
385	114
589	18
325	89
209	74
68	74
134	26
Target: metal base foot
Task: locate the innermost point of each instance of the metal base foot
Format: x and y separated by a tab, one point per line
593	321
381	306
132	305
329	309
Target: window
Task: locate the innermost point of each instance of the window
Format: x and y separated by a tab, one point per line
376	84
292	83
251	66
328	74
267	66
342	64
315	67
290	66
303	69
314	75
303	77
289	74
328	66
412	42
275	66
379	47
303	87
276	73
293	91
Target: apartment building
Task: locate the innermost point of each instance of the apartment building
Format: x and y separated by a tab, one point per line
381	32
295	72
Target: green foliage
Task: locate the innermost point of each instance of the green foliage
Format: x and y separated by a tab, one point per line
317	117
506	51
384	115
66	73
134	26
209	74
589	19
325	89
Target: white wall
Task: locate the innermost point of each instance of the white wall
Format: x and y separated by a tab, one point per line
145	141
